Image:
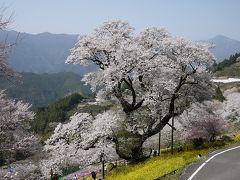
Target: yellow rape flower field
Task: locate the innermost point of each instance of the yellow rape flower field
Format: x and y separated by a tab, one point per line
156	167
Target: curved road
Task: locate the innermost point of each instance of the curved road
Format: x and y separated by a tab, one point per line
224	165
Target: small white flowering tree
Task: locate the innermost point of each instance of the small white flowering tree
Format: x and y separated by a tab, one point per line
150	74
80	142
230	108
5	69
12	113
13	135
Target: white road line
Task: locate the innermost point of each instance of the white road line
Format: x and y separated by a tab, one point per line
191	177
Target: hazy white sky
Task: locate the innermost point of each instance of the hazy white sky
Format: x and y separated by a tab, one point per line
193	19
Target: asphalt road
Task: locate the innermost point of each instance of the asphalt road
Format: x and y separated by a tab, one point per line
219	166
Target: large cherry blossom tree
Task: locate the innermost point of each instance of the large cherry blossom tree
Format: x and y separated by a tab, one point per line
150	74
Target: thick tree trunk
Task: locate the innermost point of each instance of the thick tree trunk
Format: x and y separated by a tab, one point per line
129	144
130	147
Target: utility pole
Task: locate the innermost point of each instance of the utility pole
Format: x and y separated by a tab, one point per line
172	135
159	135
103	164
103	173
172	129
159	143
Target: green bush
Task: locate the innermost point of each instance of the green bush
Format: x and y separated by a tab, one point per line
198	142
70	170
6	156
215	144
219	95
110	167
237	137
2	158
226	138
20	155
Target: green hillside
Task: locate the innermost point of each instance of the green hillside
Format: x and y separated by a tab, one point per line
54	113
230	71
48	117
42	89
229	67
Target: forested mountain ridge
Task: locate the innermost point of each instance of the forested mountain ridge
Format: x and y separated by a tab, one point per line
42	89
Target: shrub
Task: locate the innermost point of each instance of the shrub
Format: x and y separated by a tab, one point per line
70	170
206	128
110	167
226	138
219	95
197	142
237	137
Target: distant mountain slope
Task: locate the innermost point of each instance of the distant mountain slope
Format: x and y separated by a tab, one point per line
43	89
42	53
224	47
46	52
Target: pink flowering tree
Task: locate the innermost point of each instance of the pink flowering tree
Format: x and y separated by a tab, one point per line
203	123
208	128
